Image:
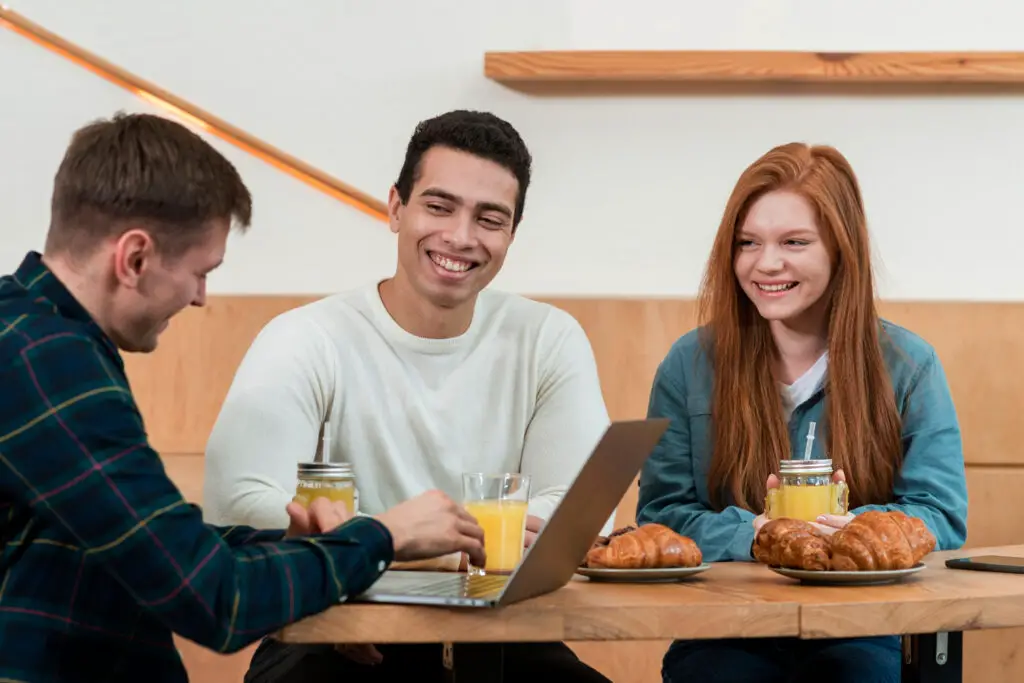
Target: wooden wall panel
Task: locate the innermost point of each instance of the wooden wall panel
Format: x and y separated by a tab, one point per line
181	385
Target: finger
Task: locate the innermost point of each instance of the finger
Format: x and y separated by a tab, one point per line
838	476
299	517
534	523
360	654
477	557
365	654
529	538
463	514
773	482
324	515
470	529
827	530
835	521
473	547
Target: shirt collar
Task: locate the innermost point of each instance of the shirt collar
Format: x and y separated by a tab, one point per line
42	285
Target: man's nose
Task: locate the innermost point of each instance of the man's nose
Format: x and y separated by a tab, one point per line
461	232
200	299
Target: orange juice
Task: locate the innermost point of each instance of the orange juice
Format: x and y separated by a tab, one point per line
806	491
801	502
304	495
504	525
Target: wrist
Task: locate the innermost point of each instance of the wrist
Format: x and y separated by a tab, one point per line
397	542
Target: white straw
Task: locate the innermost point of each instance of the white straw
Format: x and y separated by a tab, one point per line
325	443
810	441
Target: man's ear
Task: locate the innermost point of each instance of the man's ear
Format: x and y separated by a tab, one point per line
134	252
395	207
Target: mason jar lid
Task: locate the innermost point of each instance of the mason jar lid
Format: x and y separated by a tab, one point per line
805	467
325	470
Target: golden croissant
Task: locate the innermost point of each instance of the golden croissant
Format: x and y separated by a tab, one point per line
872	541
651	546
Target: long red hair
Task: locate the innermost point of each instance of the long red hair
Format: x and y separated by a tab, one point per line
862	425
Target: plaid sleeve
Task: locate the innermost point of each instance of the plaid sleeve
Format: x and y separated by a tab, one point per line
74	450
245	535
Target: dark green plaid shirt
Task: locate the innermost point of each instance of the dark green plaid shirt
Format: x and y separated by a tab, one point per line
101	558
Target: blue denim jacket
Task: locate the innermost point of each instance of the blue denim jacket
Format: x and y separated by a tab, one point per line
930	485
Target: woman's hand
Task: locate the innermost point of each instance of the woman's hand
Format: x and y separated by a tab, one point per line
827	524
762	519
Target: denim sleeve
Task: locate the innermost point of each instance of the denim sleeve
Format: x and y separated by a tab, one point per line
931	483
668	492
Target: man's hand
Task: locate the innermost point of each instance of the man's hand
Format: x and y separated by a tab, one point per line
432	524
533	527
321	516
360	653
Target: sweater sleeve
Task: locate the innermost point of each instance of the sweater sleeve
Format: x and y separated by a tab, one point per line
569	418
269	421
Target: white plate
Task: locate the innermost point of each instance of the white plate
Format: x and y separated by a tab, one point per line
642	575
855	578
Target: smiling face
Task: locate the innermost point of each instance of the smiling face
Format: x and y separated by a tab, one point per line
782	262
152	288
456	228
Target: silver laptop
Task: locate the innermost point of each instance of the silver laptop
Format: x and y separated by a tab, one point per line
560	547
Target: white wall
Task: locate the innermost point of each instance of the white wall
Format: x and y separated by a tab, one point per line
627	191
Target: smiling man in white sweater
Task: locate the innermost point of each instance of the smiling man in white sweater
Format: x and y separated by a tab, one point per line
418	378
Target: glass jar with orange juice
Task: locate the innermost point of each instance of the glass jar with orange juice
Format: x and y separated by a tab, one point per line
499	503
332	480
806	491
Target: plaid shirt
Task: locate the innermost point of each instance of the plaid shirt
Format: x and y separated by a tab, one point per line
102	559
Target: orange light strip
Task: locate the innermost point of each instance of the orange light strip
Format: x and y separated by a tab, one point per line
194	115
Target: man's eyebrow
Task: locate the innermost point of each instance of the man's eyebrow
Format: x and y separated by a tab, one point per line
500	208
440	194
483	206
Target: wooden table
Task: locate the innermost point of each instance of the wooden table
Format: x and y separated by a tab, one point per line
732	600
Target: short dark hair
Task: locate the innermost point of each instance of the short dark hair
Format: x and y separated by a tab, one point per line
479	133
141	168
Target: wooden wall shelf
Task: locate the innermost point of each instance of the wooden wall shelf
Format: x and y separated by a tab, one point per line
708	67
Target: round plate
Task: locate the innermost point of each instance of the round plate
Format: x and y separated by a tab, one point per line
642	575
855	578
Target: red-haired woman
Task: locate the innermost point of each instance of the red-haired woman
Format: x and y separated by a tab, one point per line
790	335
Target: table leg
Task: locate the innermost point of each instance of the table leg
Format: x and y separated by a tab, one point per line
933	658
477	663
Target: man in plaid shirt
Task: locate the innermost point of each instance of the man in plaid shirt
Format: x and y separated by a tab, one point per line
101	559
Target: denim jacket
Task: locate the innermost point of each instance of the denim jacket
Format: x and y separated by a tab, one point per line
930	485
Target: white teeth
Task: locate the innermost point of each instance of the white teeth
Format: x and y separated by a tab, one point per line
776	288
450	265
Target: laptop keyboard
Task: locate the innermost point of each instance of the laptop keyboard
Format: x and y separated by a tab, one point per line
458	585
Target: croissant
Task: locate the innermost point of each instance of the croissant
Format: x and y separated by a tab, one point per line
872	541
648	547
877	540
792	544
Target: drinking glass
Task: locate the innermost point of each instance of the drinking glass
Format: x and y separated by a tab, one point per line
498	502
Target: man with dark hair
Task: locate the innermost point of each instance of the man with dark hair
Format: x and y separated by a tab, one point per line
414	380
102	559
